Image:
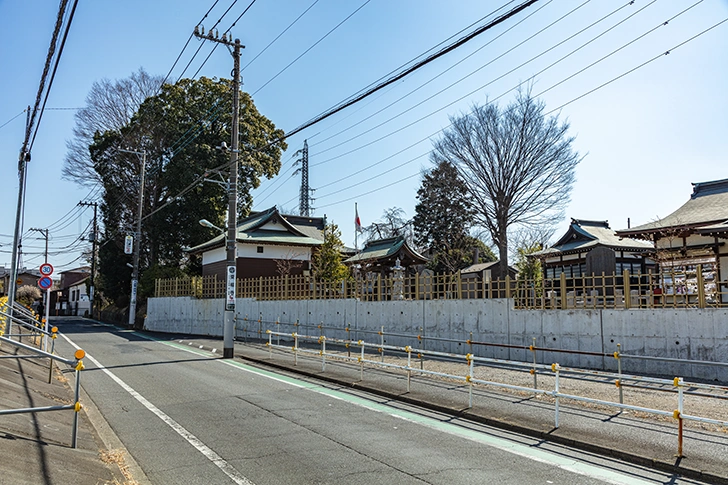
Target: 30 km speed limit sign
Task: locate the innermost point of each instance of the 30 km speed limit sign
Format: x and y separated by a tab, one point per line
46	269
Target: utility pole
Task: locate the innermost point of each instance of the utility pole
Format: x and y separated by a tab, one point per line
23	159
232	225
48	291
91	290
137	239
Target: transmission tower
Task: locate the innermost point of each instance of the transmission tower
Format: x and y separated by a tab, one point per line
304	202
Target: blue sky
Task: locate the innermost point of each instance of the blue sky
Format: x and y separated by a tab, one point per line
646	136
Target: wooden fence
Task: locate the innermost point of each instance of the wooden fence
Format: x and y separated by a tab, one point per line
653	290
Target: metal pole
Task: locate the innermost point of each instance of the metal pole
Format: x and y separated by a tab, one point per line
137	245
93	256
22	160
74	433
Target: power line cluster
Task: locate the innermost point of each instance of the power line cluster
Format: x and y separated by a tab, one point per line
388	120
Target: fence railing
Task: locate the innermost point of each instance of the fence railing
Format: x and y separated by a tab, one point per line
646	290
31	352
317	345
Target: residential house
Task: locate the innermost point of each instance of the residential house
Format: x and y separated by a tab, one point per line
71	297
25	277
268	243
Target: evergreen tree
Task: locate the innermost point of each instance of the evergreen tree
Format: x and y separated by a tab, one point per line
443	218
326	261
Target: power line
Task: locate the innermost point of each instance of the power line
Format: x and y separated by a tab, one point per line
11	119
228	30
413	68
661	55
391	133
278	36
311	47
53	75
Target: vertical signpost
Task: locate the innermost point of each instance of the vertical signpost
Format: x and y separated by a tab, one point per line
45	283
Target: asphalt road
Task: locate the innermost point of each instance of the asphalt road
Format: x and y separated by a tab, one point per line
187	416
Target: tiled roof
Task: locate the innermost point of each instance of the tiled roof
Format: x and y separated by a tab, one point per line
707	205
250	231
383	249
584	235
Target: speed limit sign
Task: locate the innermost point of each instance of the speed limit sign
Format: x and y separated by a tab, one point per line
46	269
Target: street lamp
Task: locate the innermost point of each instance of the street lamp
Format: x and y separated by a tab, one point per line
206	223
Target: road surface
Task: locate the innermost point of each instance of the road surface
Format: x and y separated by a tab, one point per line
187	416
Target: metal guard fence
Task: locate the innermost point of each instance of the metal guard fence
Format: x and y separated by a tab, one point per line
604	291
678	384
76	363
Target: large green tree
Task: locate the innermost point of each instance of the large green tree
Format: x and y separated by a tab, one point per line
517	163
180	130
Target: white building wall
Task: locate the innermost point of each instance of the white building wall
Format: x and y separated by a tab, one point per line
270	251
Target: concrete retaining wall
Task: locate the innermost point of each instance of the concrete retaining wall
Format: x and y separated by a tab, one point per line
691	334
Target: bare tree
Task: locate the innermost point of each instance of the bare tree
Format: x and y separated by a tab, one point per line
288	263
393	223
110	105
517	163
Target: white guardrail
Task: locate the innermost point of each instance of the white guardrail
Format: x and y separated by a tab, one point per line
677	384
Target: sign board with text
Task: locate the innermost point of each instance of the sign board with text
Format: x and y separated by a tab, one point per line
230	289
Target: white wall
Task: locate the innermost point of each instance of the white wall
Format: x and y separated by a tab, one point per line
692	334
296	253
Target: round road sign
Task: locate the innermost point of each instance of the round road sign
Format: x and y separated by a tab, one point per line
45	282
46	269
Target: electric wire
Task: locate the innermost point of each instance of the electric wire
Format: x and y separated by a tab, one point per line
659	56
413	68
12	119
311	47
217	44
448	69
467	95
277	37
55	69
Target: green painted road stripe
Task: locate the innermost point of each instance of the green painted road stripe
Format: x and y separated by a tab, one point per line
519	449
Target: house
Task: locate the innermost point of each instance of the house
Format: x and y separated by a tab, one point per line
592	247
690	244
25	277
71	297
268	243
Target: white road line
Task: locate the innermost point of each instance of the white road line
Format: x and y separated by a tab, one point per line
223	465
525	451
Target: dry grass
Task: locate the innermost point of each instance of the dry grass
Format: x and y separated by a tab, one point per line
116	457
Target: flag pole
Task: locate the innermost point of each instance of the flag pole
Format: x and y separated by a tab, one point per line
356	227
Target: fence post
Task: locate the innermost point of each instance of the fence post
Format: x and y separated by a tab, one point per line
379	286
460	286
555	367
678	382
533	371
508	286
562	281
701	287
627	289
176	287
618	356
